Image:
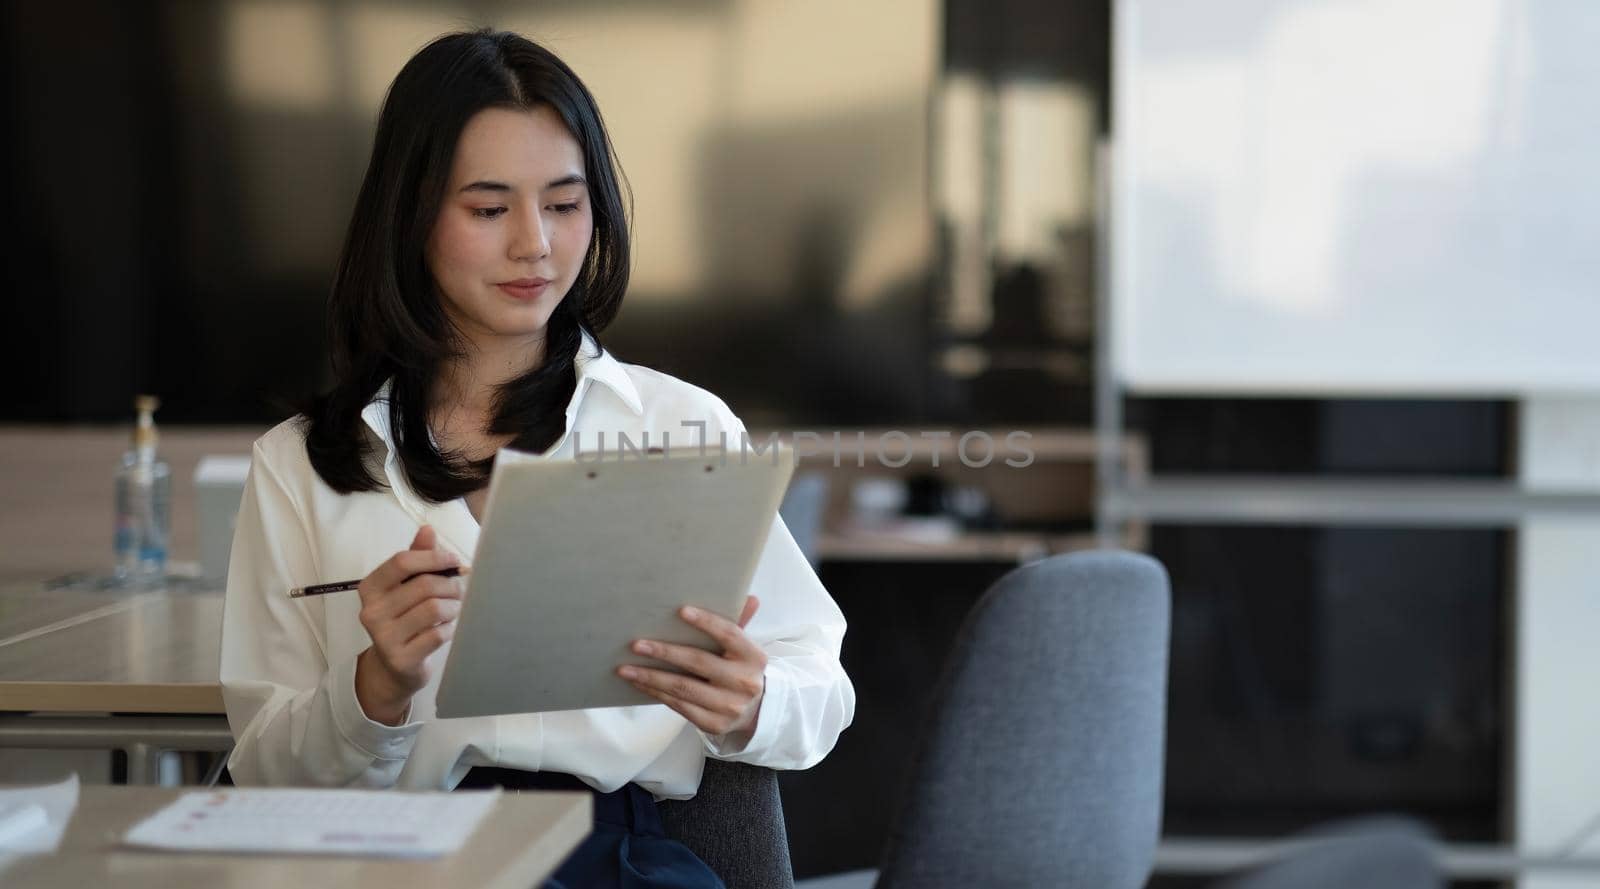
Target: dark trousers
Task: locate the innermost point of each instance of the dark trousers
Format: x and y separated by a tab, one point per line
627	848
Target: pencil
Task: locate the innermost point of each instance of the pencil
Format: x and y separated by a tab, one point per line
322	589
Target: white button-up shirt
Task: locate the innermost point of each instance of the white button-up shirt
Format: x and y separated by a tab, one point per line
288	665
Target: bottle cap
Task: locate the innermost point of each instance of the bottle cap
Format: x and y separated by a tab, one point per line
144	434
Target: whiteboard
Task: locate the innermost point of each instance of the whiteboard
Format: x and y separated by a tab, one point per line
1356	196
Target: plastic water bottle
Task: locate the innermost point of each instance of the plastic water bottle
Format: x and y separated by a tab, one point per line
144	501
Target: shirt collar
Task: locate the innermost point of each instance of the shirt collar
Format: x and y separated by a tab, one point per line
593	365
601	366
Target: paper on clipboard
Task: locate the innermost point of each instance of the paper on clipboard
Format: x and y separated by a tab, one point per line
578	558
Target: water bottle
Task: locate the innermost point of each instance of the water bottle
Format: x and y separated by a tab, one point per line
144	500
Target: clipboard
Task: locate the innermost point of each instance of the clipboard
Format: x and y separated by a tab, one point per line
578	558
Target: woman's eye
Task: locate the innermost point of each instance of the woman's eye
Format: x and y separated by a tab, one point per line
488	212
564	209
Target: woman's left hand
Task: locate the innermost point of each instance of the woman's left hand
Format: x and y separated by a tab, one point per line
720	694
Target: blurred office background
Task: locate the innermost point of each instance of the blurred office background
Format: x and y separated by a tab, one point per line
847	214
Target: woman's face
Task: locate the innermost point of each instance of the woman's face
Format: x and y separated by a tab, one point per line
514	226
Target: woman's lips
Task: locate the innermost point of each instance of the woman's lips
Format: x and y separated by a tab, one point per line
525	288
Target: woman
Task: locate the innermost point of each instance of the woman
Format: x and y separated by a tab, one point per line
487	249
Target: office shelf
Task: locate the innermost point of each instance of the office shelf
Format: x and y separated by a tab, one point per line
1463	861
984	546
1290	500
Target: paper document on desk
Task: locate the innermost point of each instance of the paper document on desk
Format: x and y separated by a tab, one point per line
379	823
32	819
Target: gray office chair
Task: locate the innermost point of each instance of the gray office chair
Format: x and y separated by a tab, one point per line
1041	763
735	824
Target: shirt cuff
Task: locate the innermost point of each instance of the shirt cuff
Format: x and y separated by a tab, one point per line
774	704
373	738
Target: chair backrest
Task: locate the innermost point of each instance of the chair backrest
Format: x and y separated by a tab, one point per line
735	824
1042	759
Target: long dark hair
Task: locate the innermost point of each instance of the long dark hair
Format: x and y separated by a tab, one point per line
385	321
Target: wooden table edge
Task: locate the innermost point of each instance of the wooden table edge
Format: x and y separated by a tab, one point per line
569	831
68	696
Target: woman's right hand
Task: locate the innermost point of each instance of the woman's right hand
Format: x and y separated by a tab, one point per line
409	614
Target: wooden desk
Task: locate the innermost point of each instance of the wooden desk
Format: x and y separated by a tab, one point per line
116	670
518	845
28	610
147	653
